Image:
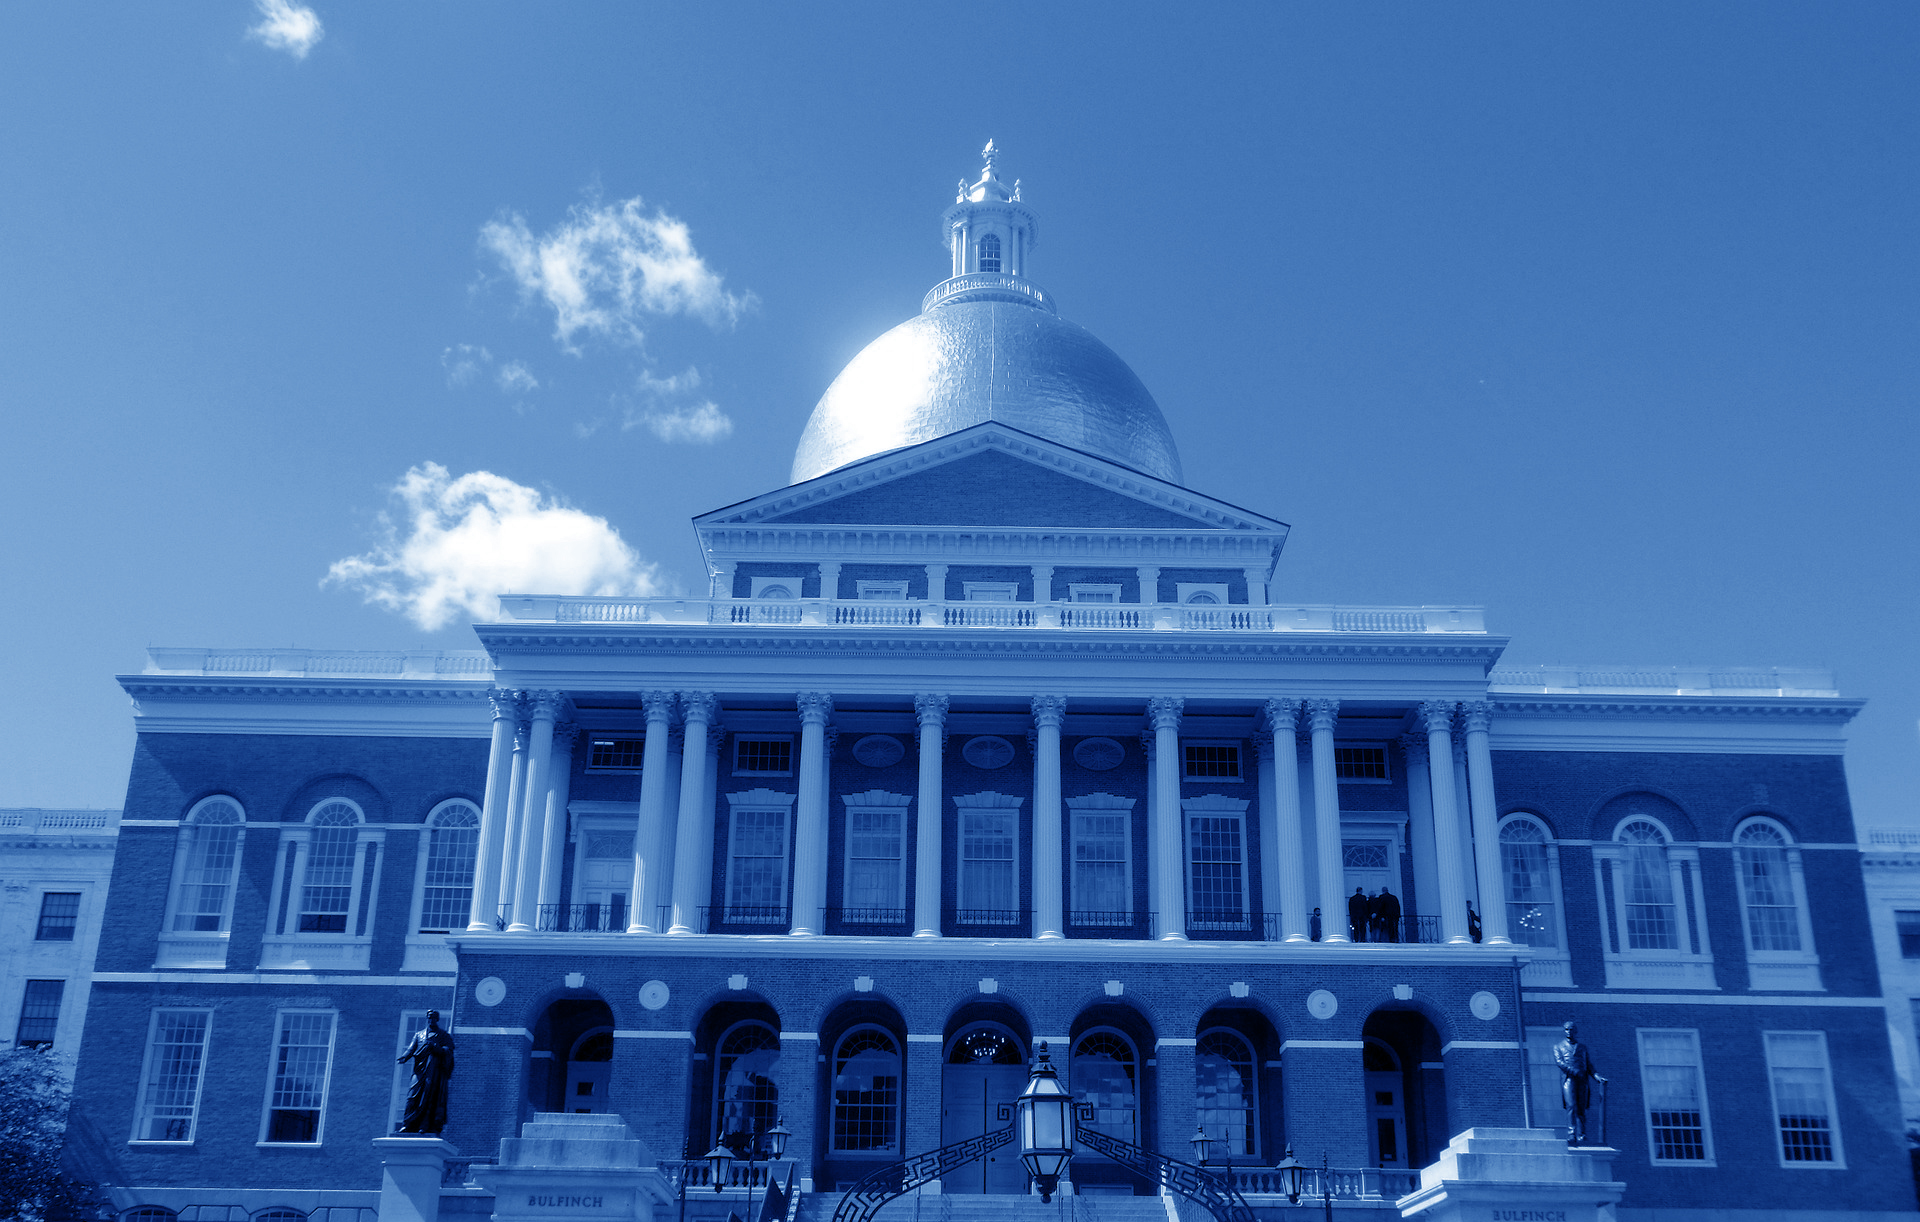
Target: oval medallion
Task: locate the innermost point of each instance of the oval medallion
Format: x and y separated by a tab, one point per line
878	750
1098	754
988	751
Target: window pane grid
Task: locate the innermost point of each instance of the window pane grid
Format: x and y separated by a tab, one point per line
299	1077
451	849
763	755
1360	763
1676	1107
986	860
990	253
1100	863
757	878
615	753
210	863
59	916
1797	1062
873	858
749	1100
1213	848
866	1092
1225	1091
1773	921
1651	924
39	1013
327	890
1206	760
1523	863
171	1094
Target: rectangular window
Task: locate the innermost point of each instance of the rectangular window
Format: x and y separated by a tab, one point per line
1676	1097
615	754
59	916
1102	871
214	850
1907	925
763	755
170	1083
1212	761
326	893
876	877
990	591
302	1058
881	591
988	881
1543	1078
1803	1098
1084	592
757	866
1360	763
39	1013
1217	880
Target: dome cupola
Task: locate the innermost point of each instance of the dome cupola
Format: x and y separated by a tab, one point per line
988	344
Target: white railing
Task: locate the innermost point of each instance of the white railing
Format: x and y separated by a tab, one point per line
987	285
335	663
1665	680
1108	617
34	819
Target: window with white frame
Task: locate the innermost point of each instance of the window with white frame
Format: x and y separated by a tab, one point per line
1653	909
763	755
1544	1077
39	1013
446	884
775	587
1225	1093
988	888
1803	1109
881	591
1104	1076
1360	765
1092	592
1906	926
1102	878
1676	1097
866	1092
990	591
1216	863
746	1098
876	874
757	847
203	886
1773	901
1200	593
170	1077
1211	761
1650	910
1533	911
606	753
990	253
297	1086
328	884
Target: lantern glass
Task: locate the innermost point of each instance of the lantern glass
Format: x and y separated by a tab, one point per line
777	1140
1292	1174
720	1163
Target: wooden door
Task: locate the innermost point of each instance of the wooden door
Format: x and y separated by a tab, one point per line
976	1099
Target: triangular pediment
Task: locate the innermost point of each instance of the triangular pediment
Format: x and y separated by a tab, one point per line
991	475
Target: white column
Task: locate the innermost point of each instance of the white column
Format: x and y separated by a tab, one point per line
830	580
649	889
1153	819
1164	714
932	711
1256	587
1478	715
936	583
1438	715
1049	905
721	582
1149	584
559	784
493	813
1420	830
1288	847
516	820
533	819
810	830
1463	813
710	804
1043	583
697	709
1321	714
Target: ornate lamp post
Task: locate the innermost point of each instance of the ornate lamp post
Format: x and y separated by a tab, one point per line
1293	1175
770	1144
1043	1119
1200	1141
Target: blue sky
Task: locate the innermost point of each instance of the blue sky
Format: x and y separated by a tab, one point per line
1602	316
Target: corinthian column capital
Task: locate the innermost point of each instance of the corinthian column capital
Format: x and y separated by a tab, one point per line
1415	748
1477	716
931	709
1163	712
506	703
545	705
1282	716
1049	711
1321	714
815	708
1437	715
698	707
658	705
564	735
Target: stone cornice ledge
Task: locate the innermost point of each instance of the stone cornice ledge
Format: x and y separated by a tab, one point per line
1835	709
1063	950
242	687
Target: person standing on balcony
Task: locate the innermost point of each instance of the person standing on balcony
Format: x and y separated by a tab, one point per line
1359	913
1387	913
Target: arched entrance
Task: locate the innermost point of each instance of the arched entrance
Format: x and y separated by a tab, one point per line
1386	1106
1406	1097
590	1071
572	1046
983	1072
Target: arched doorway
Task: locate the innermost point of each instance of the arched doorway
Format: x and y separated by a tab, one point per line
590	1071
746	1098
984	1071
1386	1106
1405	1089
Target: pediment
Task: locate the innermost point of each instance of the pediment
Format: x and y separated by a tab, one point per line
993	476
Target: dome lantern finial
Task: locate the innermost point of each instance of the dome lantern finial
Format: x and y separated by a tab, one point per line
988	154
988	230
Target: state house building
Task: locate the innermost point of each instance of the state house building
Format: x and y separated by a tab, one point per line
988	731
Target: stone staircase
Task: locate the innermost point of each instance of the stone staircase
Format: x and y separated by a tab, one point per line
1102	1207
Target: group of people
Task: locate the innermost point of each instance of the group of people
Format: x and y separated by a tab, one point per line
1373	918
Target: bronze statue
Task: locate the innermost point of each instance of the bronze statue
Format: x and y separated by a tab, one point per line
431	1051
1577	1077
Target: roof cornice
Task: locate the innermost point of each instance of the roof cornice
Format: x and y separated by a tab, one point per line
397	691
1834	709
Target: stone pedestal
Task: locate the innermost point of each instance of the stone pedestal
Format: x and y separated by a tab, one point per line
574	1168
1515	1175
411	1168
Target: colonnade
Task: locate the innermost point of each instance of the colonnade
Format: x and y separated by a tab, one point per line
524	819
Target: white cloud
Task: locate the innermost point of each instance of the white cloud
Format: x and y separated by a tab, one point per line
289	27
463	363
516	379
705	423
607	266
466	540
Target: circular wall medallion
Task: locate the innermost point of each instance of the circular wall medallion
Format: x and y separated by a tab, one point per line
988	751
878	750
654	994
491	991
1485	1006
1098	754
1322	1004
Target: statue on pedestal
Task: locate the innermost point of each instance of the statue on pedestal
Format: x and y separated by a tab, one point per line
431	1051
1577	1077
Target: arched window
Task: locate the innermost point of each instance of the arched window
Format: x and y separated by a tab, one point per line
775	592
866	1092
745	1097
327	884
148	1213
1651	922
280	1213
447	885
1202	598
1104	1076
1773	915
990	253
1532	914
203	899
1225	1091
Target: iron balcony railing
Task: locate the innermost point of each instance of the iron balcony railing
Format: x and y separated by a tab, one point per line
1093	918
869	916
745	918
1001	918
583	918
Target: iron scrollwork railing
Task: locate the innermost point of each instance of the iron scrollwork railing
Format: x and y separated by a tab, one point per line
1211	1192
898	1179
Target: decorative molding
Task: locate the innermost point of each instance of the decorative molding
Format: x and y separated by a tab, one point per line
1280	717
1476	716
1101	801
1049	711
1836	709
1163	712
698	707
565	735
506	704
658	706
1321	714
815	708
1414	746
1437	715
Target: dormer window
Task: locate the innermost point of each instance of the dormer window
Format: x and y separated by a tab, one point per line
990	253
